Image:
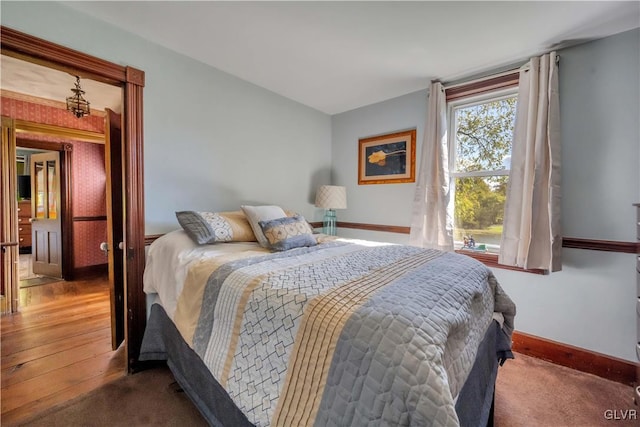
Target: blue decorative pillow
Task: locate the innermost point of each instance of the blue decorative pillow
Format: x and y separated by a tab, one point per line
287	233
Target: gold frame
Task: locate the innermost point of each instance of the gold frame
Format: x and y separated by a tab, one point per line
365	156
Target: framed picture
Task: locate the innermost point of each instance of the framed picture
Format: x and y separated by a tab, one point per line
387	159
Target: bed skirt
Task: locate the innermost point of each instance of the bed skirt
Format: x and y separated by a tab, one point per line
162	341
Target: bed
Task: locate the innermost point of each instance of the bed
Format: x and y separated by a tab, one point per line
338	333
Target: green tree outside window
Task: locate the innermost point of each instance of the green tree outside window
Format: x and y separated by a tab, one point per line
483	139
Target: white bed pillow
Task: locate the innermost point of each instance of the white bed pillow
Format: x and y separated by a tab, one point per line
255	214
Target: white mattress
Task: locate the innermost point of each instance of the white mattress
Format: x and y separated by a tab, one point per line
168	260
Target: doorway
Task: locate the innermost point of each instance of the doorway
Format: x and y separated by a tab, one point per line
132	241
31	271
81	211
46	226
62	217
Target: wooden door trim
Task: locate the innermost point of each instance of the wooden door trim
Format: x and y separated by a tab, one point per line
136	305
8	224
24	126
32	48
66	196
115	225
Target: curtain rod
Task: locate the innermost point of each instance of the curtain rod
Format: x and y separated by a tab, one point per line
480	79
524	66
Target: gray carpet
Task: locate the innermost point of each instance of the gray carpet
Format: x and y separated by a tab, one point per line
529	392
148	398
532	392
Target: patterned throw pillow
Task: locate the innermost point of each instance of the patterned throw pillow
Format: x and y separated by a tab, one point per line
214	227
288	233
255	214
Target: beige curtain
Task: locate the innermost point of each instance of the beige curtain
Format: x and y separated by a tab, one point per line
431	223
532	236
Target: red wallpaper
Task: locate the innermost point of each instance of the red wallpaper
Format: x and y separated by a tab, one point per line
89	199
86	242
88	180
46	138
23	110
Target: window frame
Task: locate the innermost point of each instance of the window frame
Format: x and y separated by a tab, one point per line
472	101
463	102
476	97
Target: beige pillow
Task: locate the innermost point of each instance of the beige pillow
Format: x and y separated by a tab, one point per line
255	214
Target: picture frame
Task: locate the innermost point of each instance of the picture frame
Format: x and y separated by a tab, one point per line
387	159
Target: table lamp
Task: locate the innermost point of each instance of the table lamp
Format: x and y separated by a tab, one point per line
331	197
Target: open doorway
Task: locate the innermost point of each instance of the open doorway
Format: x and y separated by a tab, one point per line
30	272
74	174
61	228
61	199
129	245
61	171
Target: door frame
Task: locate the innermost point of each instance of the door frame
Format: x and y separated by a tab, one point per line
65	150
24	46
24	129
45	227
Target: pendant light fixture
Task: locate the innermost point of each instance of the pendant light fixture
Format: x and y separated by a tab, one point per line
78	106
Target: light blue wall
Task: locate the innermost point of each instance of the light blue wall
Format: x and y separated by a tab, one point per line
212	141
381	203
600	114
591	303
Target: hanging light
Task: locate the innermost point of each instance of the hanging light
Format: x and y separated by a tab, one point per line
76	103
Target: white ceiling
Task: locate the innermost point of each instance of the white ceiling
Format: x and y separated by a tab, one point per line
337	56
42	82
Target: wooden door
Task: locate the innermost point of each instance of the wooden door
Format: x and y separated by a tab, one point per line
115	223
46	230
8	219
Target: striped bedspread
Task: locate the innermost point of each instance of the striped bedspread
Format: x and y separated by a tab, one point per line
341	333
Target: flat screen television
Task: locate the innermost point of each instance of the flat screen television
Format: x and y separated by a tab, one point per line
24	186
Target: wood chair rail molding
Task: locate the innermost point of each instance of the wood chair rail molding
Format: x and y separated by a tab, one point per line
89	218
567	242
33	49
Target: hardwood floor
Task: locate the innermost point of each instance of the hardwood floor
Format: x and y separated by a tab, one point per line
58	347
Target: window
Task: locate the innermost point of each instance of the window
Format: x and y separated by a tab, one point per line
479	161
21	160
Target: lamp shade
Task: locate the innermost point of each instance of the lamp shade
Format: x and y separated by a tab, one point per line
331	197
